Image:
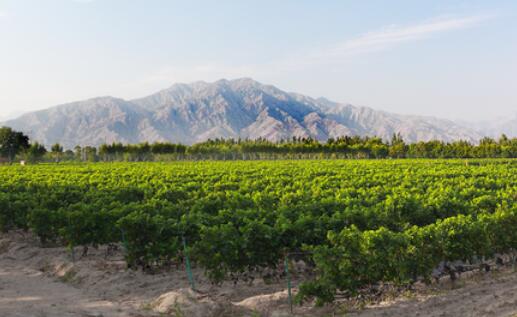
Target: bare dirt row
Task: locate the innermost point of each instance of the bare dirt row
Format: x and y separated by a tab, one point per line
45	282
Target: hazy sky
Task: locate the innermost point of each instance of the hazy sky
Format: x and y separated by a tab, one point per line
453	59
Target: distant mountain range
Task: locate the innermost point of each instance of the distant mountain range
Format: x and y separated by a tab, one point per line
241	108
495	128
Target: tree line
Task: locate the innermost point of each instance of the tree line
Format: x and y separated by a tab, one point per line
15	145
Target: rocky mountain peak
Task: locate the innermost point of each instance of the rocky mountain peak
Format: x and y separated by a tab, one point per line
243	107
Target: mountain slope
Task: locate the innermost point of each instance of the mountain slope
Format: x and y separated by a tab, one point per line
495	128
244	108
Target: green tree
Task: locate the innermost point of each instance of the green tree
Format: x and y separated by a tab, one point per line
57	151
78	153
90	154
397	146
35	152
12	143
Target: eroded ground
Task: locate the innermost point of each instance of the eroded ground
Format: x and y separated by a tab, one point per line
40	282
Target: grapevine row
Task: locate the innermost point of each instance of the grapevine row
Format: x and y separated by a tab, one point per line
364	221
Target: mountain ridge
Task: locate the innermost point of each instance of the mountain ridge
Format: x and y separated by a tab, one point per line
239	108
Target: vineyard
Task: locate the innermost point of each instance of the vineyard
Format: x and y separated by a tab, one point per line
359	222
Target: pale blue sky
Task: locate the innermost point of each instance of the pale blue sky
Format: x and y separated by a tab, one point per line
452	59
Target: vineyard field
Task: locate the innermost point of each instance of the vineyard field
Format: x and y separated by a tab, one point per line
360	222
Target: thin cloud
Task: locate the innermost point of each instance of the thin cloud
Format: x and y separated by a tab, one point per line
385	38
394	35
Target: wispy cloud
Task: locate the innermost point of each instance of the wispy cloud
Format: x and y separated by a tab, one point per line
385	38
395	34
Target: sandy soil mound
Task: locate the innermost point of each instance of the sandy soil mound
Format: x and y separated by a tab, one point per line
187	303
275	304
